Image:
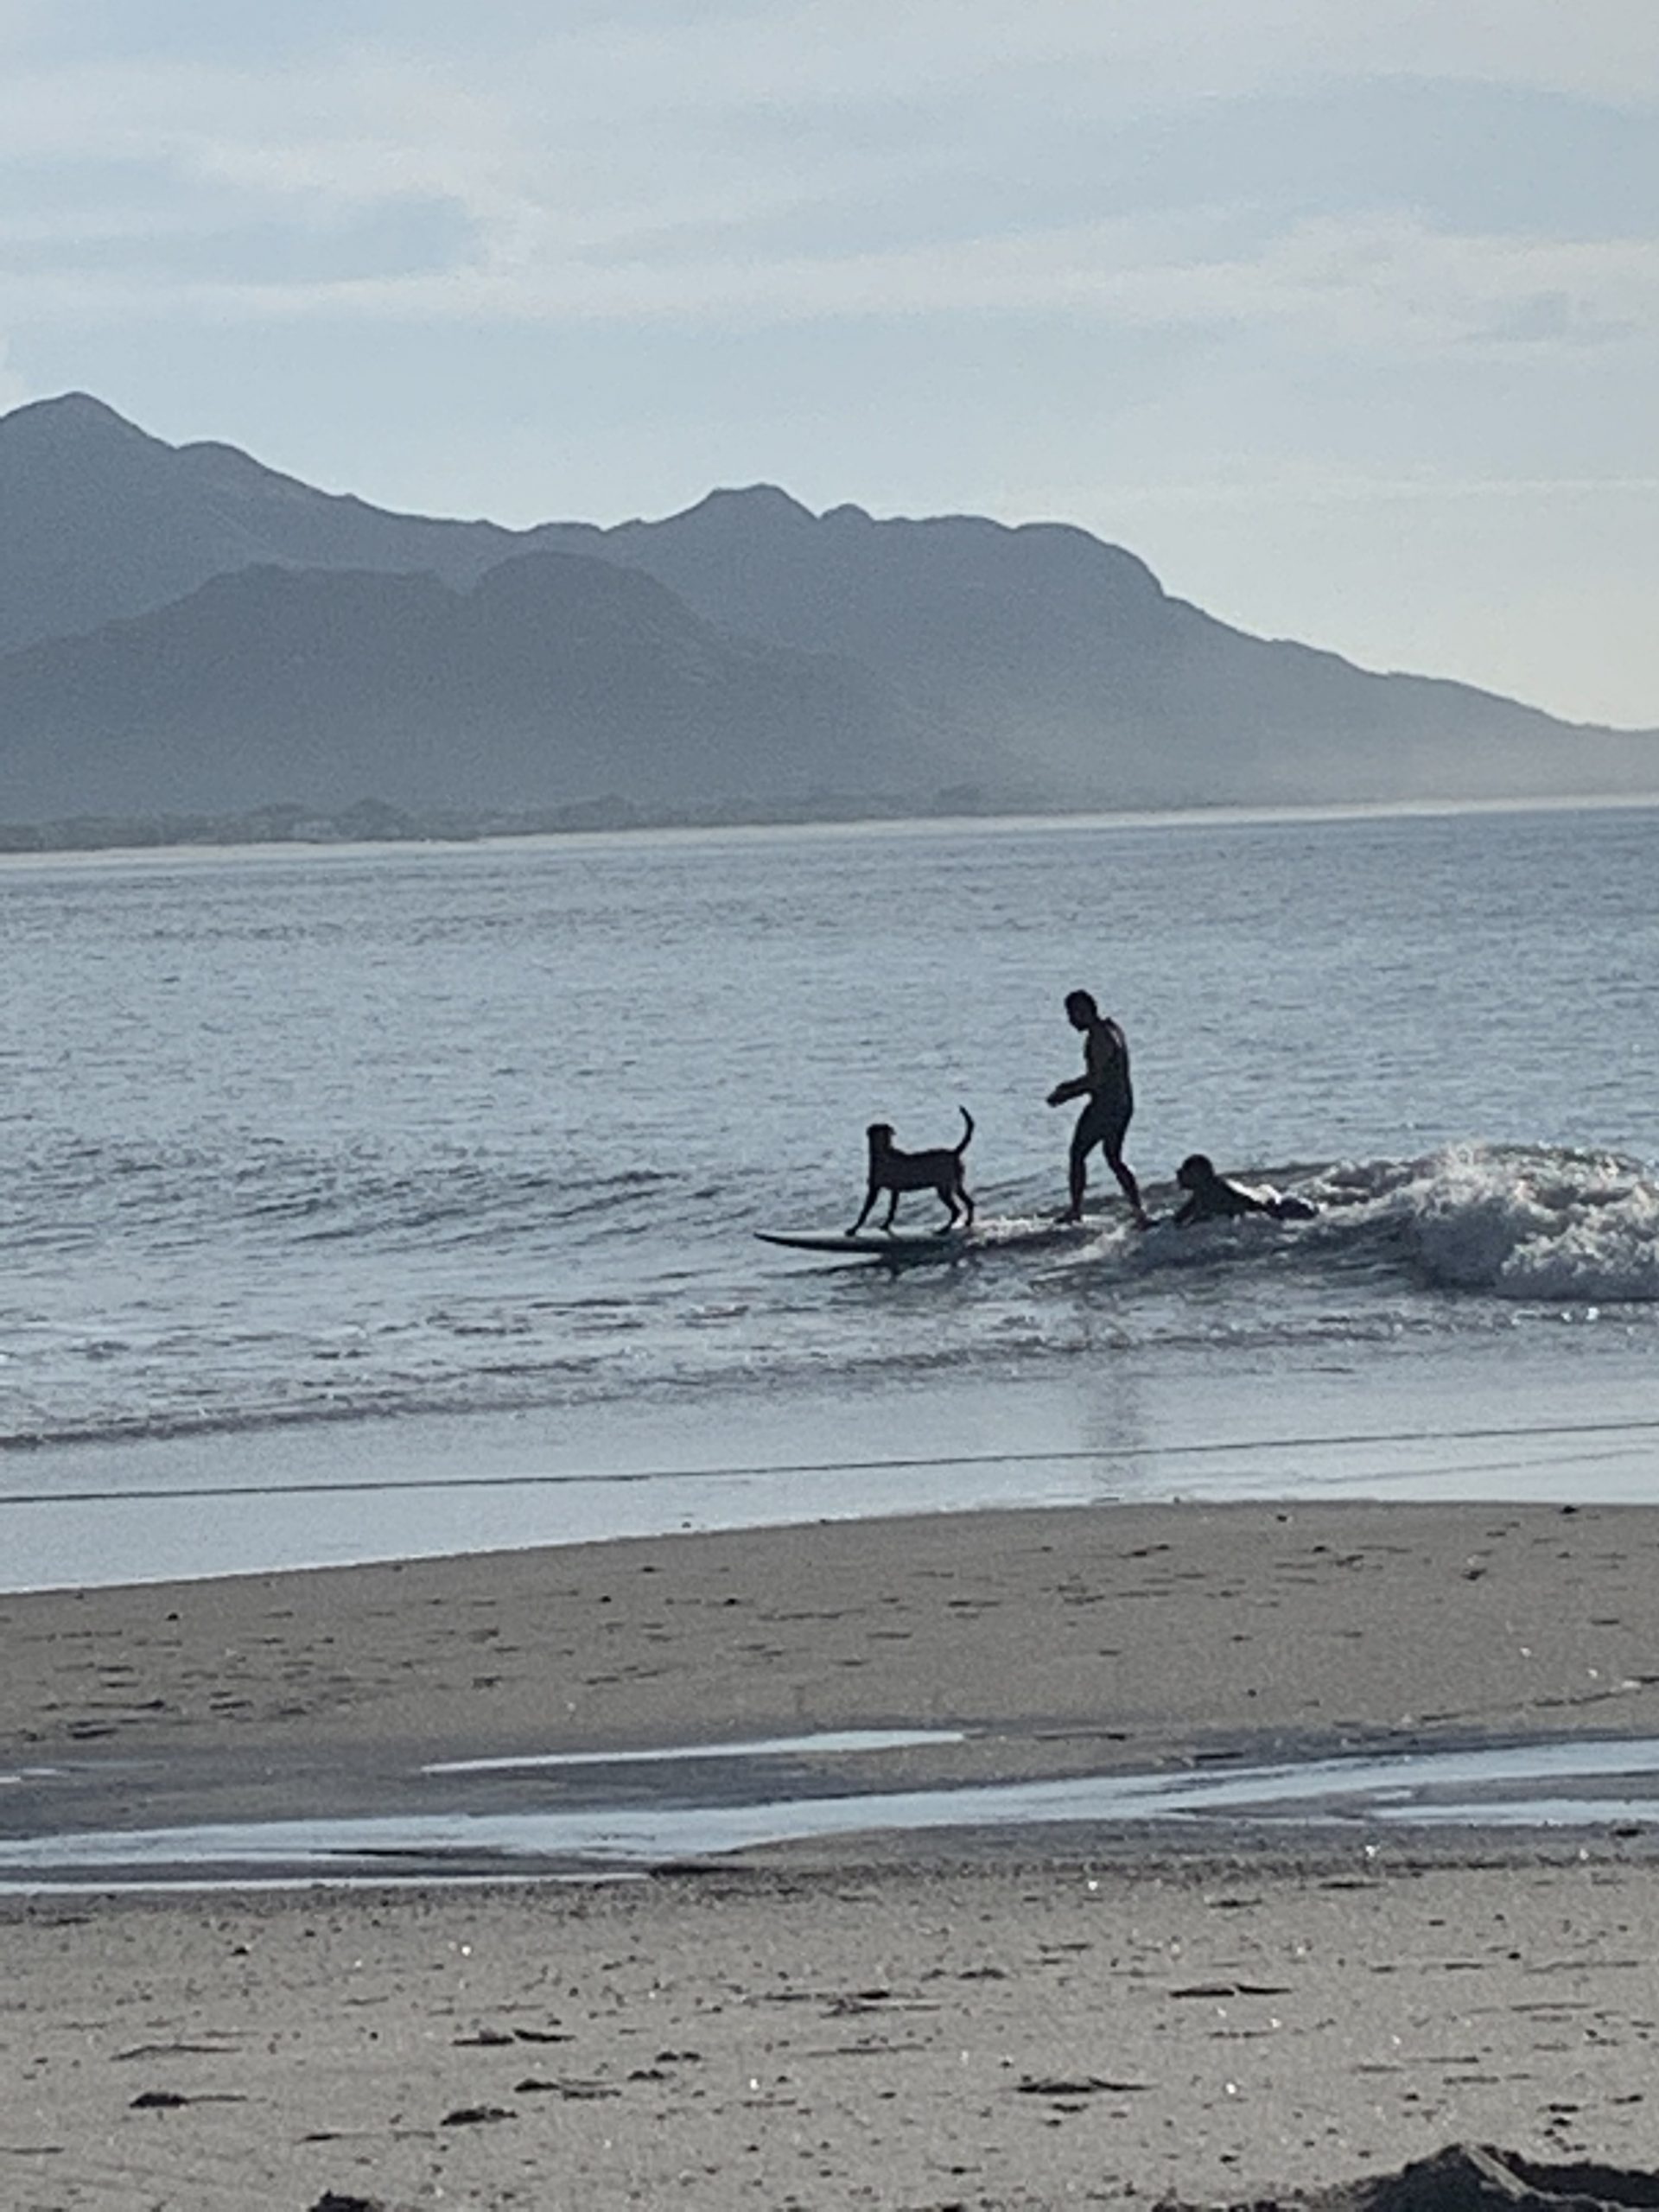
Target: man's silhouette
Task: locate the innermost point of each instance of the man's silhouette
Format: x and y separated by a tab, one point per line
1105	1119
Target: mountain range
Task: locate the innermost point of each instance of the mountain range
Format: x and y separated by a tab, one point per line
184	629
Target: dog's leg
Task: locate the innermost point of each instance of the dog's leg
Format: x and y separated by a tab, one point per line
892	1208
870	1197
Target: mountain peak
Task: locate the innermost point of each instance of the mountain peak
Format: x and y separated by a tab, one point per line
748	503
71	415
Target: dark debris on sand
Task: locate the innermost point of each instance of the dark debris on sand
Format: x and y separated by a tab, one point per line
335	2200
1472	2177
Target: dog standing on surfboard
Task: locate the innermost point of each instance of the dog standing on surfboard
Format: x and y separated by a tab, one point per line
896	1172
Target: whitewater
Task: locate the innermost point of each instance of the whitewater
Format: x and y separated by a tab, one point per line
359	1200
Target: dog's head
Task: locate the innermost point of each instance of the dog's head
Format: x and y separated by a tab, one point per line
880	1136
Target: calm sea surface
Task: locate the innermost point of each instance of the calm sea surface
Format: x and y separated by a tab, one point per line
361	1201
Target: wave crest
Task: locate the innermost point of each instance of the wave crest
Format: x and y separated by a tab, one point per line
1519	1222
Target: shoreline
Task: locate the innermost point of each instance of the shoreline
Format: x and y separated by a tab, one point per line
893	819
309	1496
1045	2015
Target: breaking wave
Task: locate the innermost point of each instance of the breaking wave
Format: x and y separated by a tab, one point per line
606	1293
1516	1222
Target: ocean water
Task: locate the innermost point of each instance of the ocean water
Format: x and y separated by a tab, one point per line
360	1200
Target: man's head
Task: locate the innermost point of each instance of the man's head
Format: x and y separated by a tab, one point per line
1196	1172
1080	1009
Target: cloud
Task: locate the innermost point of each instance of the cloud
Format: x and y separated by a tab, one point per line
742	165
1554	319
1606	50
1395	285
603	121
1386	288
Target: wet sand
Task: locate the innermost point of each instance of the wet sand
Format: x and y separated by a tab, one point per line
895	2021
1142	1631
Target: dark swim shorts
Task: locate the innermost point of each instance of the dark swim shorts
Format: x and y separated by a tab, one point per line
1104	1121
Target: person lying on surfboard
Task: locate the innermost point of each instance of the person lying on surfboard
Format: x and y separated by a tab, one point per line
1210	1197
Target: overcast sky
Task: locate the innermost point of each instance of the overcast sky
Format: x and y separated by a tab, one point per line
1344	313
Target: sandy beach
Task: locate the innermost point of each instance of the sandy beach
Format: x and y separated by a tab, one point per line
1039	2016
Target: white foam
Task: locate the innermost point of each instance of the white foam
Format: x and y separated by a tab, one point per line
1527	1223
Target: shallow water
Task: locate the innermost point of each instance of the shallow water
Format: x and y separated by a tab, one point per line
1575	1784
355	1166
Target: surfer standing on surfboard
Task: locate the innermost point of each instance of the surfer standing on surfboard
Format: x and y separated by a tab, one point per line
1105	1119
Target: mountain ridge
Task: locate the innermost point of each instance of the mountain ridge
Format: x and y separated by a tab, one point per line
777	652
554	678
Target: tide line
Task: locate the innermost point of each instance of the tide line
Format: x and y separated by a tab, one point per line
767	1471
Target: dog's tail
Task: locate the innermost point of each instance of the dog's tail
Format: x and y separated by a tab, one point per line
966	1130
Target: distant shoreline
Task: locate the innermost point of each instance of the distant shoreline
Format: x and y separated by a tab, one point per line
168	836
